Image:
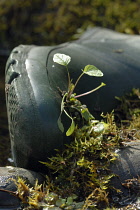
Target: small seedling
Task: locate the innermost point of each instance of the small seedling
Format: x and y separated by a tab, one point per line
70	98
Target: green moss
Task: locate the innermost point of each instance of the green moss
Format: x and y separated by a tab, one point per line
52	22
79	176
129	106
128	113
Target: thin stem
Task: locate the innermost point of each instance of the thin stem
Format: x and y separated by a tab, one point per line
71	91
68	114
91	91
68	77
77	81
8	191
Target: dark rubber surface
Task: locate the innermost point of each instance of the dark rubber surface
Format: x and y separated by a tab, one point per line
32	81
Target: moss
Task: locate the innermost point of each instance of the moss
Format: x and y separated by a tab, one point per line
129	106
129	113
52	22
79	174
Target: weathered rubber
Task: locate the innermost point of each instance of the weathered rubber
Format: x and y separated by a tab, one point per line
33	79
126	167
33	107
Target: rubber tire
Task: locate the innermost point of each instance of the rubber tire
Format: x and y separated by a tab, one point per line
33	79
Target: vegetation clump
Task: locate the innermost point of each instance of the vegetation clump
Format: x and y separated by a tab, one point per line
82	167
79	174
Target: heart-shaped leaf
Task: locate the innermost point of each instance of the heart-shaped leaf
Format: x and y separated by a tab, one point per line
61	59
92	71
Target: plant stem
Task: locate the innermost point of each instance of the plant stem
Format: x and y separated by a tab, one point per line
10	192
68	78
71	91
68	114
77	81
91	91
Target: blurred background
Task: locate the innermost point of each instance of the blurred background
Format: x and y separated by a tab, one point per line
51	22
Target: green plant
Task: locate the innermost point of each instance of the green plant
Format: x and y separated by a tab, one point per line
82	167
79	175
69	98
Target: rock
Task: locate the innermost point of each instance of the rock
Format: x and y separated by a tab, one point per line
9	200
32	81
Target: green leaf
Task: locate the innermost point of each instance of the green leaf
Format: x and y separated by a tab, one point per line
86	114
69	201
60	202
92	71
99	128
61	59
60	124
71	128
